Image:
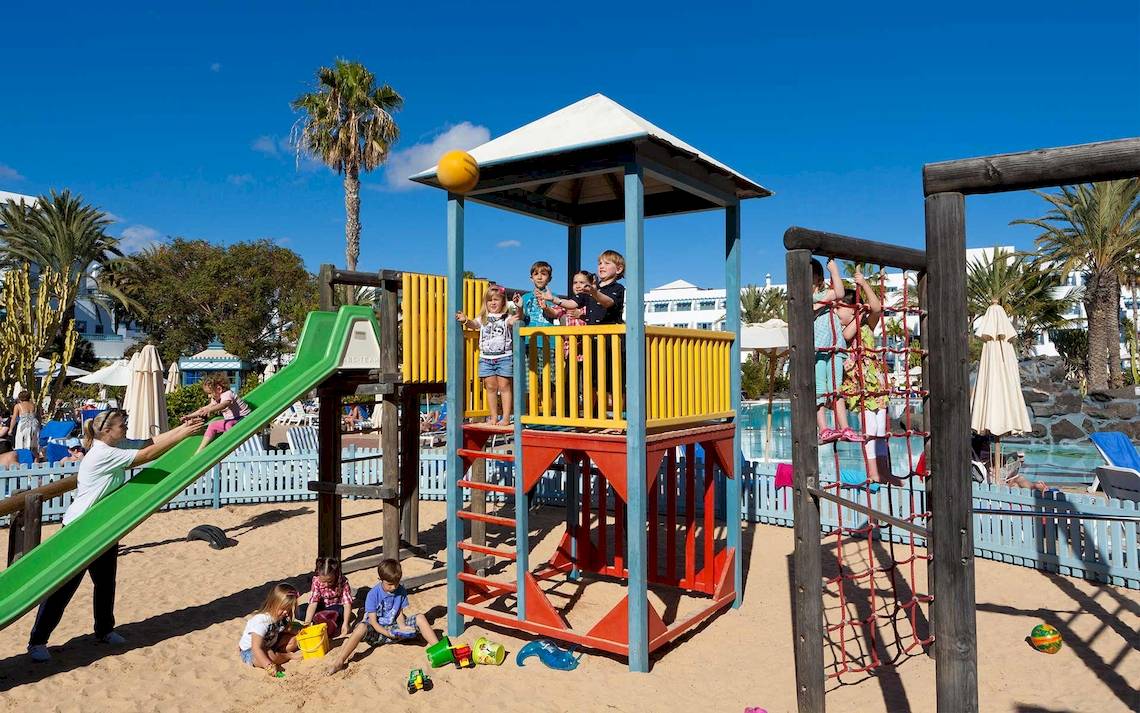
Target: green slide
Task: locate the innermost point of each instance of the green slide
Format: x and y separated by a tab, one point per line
348	339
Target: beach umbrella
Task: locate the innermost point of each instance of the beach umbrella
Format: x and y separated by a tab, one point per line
117	373
997	407
16	390
270	370
770	337
145	401
173	377
43	365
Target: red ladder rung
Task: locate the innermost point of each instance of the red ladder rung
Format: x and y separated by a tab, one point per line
492	584
489	455
502	554
489	487
489	519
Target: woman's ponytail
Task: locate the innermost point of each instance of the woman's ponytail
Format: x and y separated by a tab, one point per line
88	433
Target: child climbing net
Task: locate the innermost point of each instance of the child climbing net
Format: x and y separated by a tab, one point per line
874	586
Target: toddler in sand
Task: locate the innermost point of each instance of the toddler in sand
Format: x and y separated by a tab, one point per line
267	642
330	595
388	616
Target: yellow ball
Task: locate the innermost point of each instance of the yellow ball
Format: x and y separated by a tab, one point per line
457	171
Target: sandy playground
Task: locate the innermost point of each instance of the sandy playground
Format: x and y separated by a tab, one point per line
182	606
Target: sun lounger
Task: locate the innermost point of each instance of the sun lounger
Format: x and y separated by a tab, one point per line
1119	483
1119	454
302	439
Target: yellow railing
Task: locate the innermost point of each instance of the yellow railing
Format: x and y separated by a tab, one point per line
423	332
571	373
687	376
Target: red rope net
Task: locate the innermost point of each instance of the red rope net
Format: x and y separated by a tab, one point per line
875	588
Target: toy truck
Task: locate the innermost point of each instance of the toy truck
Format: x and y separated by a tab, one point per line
418	681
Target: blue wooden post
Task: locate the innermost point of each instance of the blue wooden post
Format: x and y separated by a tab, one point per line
455	409
522	500
635	418
217	484
732	324
570	492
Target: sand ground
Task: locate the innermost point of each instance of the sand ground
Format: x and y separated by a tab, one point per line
182	606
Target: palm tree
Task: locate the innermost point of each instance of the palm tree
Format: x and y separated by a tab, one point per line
1025	291
64	233
759	304
1094	228
348	125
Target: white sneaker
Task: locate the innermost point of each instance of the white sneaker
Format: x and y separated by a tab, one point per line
113	638
39	653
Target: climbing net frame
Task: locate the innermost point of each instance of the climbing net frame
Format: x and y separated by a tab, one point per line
868	606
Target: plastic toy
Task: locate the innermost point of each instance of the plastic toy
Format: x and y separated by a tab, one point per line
550	654
418	681
1045	638
439	653
458	172
488	653
463	657
313	641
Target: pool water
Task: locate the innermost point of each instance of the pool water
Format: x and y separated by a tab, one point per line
1054	464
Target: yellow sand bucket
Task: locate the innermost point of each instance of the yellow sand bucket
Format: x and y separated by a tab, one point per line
488	653
313	641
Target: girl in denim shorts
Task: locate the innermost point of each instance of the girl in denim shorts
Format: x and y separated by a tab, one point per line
496	357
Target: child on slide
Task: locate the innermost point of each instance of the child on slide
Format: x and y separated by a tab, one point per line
223	399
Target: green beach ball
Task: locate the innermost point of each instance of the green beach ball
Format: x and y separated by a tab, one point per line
1045	638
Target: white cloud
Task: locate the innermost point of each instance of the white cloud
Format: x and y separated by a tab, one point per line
138	237
113	217
239	179
10	174
216	67
281	148
415	158
508	244
266	145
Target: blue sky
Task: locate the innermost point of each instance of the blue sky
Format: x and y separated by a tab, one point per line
174	119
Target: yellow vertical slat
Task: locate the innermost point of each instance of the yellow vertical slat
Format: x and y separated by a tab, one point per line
546	402
600	346
432	329
532	378
573	375
725	366
441	342
587	377
559	378
424	322
615	354
651	375
705	375
406	325
668	373
687	378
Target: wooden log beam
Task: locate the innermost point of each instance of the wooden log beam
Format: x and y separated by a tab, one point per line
372	492
390	418
844	247
327	301
1041	168
410	466
949	497
328	472
356	278
15	502
807	567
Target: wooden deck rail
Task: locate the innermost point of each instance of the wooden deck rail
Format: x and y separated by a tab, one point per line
571	373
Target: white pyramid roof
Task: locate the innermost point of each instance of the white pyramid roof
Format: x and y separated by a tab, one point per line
6	197
593	121
677	285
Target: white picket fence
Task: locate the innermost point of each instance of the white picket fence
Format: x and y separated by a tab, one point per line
1061	541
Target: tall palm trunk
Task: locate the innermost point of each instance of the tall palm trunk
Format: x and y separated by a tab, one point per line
1112	338
352	216
1135	346
1097	369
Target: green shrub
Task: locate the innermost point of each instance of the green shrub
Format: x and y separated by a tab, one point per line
184	400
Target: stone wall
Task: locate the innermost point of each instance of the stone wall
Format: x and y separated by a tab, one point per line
1062	415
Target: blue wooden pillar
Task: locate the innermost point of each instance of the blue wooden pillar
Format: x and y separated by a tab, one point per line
635	418
522	499
571	493
455	410
732	260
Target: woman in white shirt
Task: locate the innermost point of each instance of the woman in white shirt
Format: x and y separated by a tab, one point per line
102	470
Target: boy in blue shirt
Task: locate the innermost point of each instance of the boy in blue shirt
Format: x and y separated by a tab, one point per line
387	616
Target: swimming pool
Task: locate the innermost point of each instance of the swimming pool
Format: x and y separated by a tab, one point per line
1054	464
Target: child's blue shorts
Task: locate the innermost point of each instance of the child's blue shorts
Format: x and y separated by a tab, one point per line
497	367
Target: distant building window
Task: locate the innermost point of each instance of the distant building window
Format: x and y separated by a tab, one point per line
81	326
684	306
98	329
706	304
681	325
720	305
660	306
704	325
